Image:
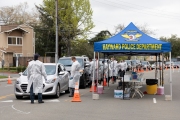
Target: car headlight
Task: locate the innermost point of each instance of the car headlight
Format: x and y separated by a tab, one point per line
17	81
51	81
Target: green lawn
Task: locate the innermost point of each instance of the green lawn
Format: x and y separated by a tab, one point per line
3	77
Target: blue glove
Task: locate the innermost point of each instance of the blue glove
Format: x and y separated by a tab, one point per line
71	78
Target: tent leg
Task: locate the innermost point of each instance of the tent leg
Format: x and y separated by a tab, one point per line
93	74
170	76
162	83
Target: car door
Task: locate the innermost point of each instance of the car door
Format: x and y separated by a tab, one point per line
61	78
65	77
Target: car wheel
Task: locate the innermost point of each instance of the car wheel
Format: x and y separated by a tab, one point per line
83	81
67	91
19	97
57	95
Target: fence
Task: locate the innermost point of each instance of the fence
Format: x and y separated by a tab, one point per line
22	61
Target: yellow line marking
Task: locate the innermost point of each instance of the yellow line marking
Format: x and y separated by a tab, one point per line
2	97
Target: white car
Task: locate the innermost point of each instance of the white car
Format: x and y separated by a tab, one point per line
56	74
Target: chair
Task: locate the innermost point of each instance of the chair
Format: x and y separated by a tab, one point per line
137	86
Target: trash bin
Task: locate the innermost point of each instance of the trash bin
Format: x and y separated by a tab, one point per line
151	86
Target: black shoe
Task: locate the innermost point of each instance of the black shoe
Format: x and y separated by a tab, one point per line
32	102
71	96
41	102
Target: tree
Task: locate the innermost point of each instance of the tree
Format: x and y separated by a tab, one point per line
18	14
74	18
144	28
175	43
102	35
82	47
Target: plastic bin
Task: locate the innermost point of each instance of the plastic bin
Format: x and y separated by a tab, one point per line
100	89
151	86
160	90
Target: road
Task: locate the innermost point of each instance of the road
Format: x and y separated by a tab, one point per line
106	108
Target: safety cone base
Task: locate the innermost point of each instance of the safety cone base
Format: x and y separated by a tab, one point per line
104	83
93	88
76	98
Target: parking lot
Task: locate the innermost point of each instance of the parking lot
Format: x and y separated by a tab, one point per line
150	107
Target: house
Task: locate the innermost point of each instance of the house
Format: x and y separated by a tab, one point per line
16	41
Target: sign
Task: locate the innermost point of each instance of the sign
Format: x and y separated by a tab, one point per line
131	35
118	47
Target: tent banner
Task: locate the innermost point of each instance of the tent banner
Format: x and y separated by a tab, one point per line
114	47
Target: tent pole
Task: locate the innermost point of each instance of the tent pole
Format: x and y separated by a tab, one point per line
170	76
156	68
97	70
160	70
108	71
93	75
162	83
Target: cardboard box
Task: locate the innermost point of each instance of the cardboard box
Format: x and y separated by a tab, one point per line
119	94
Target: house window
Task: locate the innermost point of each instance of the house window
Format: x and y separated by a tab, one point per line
14	40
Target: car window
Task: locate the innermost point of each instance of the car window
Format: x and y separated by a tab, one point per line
68	62
63	68
50	70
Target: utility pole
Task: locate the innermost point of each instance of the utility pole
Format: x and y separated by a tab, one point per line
56	53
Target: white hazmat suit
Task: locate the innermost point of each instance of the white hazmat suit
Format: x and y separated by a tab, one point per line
35	71
75	74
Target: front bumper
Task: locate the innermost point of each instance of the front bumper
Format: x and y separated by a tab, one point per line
48	89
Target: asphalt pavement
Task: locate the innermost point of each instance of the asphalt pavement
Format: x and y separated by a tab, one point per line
150	107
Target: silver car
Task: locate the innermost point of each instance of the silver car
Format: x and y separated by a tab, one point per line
56	74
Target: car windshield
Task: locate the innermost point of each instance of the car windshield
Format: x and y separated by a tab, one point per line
50	70
128	61
68	62
144	63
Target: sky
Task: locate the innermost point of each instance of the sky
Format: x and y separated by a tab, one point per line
160	16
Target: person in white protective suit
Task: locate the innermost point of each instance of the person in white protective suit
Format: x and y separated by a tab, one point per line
105	69
113	70
123	67
96	67
75	75
35	71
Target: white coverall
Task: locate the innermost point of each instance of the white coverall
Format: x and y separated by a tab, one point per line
35	71
113	70
91	70
75	74
106	70
95	66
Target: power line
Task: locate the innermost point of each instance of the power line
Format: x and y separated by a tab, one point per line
126	7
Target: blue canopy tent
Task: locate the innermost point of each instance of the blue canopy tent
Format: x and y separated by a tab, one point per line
132	41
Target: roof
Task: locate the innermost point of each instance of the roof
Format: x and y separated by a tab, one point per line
132	41
10	28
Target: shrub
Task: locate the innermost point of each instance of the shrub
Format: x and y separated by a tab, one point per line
21	68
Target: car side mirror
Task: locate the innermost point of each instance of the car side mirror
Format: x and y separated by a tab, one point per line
61	73
20	73
87	65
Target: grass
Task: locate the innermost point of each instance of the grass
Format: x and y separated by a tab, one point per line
3	77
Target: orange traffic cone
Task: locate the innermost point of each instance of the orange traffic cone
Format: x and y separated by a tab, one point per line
9	80
104	82
93	88
76	97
